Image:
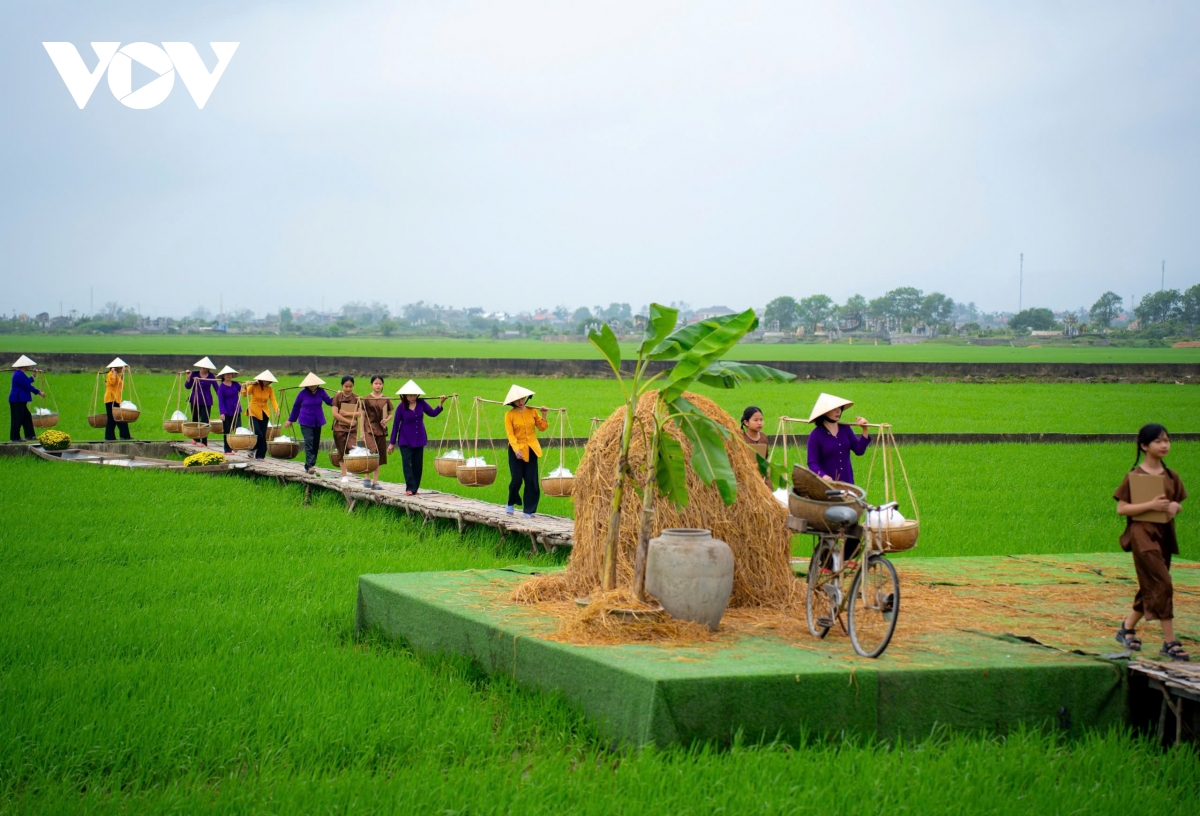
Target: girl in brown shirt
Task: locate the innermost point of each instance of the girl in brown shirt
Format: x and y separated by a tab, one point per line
345	412
1152	543
377	413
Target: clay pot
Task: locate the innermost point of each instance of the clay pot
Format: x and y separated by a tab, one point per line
691	574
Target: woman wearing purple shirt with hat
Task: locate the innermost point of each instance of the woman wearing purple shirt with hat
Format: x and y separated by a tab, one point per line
308	409
829	448
408	433
229	402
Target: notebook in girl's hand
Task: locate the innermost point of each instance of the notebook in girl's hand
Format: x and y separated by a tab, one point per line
1142	488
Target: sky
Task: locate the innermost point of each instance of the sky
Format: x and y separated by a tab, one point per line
518	155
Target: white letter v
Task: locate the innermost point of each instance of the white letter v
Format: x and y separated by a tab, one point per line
70	67
199	82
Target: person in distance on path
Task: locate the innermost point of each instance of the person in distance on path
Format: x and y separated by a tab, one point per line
19	397
377	413
260	396
408	433
1152	542
202	383
345	414
521	425
309	411
229	402
114	390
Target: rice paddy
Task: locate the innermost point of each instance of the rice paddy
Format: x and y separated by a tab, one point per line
219	346
185	643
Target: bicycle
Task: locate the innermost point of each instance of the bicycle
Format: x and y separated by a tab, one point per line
872	605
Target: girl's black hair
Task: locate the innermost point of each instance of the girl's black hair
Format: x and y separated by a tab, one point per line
1146	435
750	411
347	379
375	377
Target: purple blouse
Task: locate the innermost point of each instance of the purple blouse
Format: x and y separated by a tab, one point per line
201	395
22	387
409	427
227	398
307	407
829	455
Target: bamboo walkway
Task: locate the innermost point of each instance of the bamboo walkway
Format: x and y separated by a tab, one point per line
550	532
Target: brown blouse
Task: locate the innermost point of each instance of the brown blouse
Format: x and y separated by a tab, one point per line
376	410
1143	535
340	399
760	445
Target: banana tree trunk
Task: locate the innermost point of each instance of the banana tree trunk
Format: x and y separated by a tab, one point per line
608	578
649	496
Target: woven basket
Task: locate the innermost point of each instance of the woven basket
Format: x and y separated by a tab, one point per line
282	450
813	511
45	420
97	420
241	442
125	415
335	458
217	425
362	464
447	467
808	484
558	486
195	430
272	431
476	475
173	425
897	537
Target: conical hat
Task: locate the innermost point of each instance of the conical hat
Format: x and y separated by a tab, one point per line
825	404
410	387
204	362
118	363
226	370
266	376
515	393
311	379
23	362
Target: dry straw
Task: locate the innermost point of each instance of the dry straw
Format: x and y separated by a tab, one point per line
753	527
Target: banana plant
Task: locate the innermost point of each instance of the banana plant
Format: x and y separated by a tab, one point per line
696	352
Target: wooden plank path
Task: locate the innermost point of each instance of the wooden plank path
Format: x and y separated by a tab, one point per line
548	531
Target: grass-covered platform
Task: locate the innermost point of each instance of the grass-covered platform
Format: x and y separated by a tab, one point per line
983	644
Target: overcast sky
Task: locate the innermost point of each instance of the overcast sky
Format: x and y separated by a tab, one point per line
515	155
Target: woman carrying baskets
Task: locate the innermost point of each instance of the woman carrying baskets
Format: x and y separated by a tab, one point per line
829	448
229	394
202	383
521	425
260	396
308	410
19	397
345	413
114	389
377	413
409	435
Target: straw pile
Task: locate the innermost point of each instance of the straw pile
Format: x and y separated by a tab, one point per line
753	526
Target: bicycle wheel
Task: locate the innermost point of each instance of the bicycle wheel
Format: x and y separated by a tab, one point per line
818	606
873	613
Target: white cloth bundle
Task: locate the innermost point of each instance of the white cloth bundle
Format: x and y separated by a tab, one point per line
179	416
243	431
283	438
781	495
453	455
476	461
128	406
877	519
559	473
42	412
358	450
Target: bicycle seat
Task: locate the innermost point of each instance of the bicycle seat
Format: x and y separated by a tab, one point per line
841	516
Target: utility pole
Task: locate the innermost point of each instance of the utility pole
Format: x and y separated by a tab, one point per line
1021	284
91	300
1163	281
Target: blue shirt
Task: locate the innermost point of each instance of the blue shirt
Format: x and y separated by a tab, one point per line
22	387
307	407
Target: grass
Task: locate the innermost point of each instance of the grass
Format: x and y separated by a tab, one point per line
915	407
183	643
219	346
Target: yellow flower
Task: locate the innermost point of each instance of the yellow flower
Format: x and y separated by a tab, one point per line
204	459
54	440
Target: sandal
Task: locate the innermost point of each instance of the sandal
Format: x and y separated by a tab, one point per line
1129	639
1174	650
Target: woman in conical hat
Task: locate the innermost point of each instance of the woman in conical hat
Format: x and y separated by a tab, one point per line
114	392
831	443
521	425
201	398
229	403
261	404
308	409
19	397
408	432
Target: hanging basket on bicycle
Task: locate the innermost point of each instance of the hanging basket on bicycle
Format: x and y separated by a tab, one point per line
813	511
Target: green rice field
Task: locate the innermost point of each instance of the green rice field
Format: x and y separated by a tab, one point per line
222	346
185	643
913	407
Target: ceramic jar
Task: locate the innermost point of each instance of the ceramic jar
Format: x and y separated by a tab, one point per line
691	574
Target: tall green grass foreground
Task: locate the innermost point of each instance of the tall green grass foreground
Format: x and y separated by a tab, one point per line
184	643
